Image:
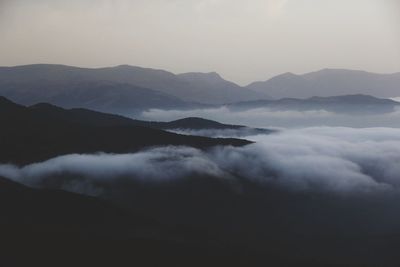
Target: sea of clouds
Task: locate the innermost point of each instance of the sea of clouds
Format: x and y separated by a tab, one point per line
323	159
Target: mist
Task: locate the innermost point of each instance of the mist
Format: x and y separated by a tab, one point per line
334	160
268	118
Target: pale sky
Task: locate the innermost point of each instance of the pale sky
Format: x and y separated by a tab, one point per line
243	40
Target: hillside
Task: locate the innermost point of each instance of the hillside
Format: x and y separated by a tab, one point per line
29	136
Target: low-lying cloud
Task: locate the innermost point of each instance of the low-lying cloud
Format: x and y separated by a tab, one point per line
265	117
242	132
153	165
323	159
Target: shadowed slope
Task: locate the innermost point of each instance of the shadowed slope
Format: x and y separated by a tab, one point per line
30	136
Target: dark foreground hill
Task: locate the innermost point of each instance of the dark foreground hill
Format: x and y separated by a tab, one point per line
30	136
94	118
56	228
199	221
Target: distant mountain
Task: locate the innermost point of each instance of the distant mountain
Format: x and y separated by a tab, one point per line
330	82
112	97
39	133
207	88
213	89
347	104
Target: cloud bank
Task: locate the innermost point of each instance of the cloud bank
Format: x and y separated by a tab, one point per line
323	159
264	117
89	173
243	132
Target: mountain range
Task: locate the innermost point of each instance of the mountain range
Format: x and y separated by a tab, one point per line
330	82
50	80
129	90
346	104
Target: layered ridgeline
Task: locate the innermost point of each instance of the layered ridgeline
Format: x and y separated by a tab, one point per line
129	90
330	82
43	131
346	104
117	87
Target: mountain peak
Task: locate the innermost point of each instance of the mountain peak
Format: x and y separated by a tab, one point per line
210	76
288	74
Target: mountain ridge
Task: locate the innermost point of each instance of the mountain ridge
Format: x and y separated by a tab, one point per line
330	82
30	135
172	84
344	104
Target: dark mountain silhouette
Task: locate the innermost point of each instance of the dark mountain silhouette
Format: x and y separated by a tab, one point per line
26	207
348	104
52	227
330	82
198	221
94	118
196	123
17	83
35	134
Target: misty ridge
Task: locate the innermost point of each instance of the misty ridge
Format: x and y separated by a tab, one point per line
337	160
130	91
194	163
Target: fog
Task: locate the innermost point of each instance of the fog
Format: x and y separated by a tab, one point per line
243	132
337	160
264	117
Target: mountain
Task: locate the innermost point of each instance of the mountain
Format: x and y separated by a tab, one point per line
31	208
195	124
213	89
41	227
95	118
346	104
208	88
36	134
189	126
197	221
330	82
120	98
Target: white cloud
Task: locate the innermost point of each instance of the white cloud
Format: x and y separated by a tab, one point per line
264	117
325	159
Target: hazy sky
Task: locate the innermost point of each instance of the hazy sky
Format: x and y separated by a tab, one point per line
243	40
